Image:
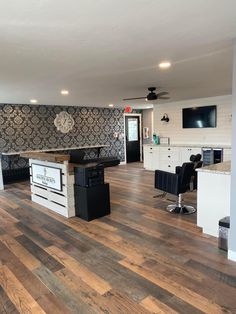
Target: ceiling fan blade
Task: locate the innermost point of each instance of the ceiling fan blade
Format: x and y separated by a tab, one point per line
163	97
134	98
162	94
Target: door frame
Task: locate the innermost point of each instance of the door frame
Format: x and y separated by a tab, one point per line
140	134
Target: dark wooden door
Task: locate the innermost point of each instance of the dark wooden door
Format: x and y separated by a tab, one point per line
132	138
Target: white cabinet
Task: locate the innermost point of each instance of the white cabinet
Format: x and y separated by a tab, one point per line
186	152
147	157
227	152
151	157
166	158
169	158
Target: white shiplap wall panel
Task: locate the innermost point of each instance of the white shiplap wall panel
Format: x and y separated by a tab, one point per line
173	129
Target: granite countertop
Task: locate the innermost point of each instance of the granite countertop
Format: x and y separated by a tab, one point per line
191	145
221	168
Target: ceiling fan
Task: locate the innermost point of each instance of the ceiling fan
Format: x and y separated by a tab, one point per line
152	95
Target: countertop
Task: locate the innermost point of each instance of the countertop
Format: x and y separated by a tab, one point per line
221	168
191	145
46	157
53	150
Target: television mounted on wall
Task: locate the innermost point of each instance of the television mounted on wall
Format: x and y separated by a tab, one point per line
199	117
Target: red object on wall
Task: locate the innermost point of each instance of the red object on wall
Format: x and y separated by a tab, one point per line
128	109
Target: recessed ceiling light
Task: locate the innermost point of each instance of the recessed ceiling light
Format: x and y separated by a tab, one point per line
64	92
164	65
111	105
33	101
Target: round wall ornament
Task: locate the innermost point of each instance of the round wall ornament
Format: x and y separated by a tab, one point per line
64	122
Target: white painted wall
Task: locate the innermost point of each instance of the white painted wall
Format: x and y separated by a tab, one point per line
232	235
148	122
173	129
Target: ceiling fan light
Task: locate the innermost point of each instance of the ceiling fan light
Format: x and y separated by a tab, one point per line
164	65
151	96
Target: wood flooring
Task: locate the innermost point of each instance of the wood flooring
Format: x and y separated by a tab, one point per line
139	259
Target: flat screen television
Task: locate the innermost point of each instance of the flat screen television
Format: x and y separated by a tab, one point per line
199	117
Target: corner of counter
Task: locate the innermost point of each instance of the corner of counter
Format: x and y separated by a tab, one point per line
232	255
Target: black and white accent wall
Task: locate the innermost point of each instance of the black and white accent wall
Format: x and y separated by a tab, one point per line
31	127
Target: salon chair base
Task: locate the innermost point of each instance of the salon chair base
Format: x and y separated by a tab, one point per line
185	210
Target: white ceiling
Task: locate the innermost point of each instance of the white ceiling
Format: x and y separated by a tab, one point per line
106	50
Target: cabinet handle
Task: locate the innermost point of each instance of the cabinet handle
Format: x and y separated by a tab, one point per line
168	148
169	166
169	156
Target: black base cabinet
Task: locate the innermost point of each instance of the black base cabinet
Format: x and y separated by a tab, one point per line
92	202
14	175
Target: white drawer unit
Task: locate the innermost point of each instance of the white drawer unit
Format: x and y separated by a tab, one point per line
162	158
169	158
170	154
151	157
166	158
168	166
147	157
186	152
227	154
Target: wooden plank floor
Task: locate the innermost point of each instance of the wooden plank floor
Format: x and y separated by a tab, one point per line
140	259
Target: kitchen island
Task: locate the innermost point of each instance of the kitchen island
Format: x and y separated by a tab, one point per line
213	196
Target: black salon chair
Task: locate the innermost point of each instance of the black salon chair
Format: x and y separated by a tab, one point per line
196	160
176	184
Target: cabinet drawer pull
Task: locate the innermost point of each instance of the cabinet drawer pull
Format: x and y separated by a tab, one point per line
168	148
169	166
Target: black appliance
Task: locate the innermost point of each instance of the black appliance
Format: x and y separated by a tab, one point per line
212	155
199	117
89	175
92	202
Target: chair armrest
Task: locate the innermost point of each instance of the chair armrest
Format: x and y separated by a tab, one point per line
167	181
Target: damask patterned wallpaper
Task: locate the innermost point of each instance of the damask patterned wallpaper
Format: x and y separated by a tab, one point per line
30	127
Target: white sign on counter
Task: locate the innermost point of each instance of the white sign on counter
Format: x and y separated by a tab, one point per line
49	177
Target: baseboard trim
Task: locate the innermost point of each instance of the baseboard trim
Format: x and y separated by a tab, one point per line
232	255
122	163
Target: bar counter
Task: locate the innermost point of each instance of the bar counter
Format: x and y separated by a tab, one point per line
52	182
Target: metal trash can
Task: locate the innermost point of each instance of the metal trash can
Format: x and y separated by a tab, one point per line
224	225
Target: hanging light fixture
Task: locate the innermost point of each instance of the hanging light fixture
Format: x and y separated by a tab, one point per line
165	118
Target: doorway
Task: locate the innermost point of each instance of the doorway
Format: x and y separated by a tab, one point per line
132	138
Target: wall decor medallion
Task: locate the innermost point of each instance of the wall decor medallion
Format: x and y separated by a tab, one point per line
64	122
